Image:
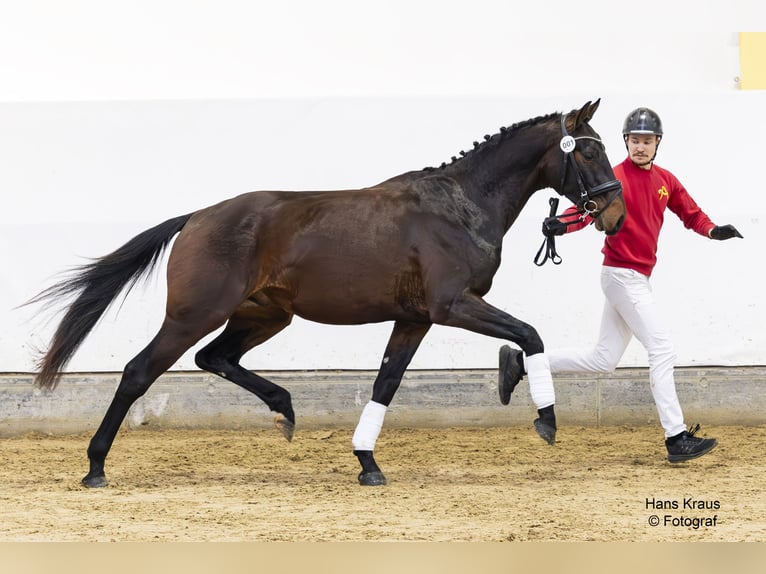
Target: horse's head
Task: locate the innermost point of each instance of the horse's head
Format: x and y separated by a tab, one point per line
584	174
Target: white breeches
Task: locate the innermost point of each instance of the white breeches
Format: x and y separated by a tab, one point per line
630	309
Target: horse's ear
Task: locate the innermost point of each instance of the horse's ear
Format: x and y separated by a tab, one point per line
585	113
576	117
592	109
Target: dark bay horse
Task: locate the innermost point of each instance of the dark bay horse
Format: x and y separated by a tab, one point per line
418	249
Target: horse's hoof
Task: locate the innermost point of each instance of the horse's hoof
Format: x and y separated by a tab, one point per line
94	481
546	432
285	426
375	478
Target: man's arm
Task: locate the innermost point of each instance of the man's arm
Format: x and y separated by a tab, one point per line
567	222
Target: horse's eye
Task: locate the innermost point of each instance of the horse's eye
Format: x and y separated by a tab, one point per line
589	154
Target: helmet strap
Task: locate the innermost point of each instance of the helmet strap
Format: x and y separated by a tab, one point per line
657	147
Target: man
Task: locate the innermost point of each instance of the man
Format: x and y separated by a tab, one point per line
629	258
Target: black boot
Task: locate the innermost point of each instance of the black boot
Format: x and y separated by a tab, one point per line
685	446
511	371
546	424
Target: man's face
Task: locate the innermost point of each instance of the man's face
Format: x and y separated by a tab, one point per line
641	149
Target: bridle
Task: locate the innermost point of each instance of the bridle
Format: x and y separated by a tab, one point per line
586	205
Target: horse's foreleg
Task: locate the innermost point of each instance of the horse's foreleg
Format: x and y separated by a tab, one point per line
471	312
402	344
251	325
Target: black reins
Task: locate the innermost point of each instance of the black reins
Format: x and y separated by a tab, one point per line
549	243
586	206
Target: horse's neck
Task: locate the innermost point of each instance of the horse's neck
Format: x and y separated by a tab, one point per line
503	179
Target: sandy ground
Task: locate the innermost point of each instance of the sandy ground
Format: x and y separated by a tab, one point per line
457	484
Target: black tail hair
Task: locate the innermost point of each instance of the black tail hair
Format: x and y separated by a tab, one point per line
96	285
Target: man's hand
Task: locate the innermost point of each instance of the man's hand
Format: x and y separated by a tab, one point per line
722	232
553	226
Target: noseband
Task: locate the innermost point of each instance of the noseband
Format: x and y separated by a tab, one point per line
586	206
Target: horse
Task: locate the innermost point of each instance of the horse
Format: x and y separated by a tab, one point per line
418	249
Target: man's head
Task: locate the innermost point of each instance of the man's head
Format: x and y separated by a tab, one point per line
642	131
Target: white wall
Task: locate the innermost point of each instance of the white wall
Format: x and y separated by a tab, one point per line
112	121
107	49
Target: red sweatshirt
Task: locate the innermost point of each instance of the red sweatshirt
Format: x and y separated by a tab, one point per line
647	193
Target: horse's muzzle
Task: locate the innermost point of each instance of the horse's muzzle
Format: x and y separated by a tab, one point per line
616	228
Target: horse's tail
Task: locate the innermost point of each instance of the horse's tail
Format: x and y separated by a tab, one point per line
96	285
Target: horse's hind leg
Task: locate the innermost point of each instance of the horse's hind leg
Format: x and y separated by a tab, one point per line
404	341
168	345
251	325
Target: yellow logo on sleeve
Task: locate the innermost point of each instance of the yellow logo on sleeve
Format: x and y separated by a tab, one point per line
663	192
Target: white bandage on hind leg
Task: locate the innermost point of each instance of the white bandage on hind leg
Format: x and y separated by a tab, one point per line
368	429
540	380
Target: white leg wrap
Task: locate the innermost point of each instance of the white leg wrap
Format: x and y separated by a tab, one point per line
540	380
368	429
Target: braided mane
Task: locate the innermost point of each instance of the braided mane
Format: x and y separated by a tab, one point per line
503	134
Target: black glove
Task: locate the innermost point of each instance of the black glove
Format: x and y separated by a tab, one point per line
553	226
722	232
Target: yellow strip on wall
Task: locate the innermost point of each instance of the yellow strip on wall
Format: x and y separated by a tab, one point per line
752	60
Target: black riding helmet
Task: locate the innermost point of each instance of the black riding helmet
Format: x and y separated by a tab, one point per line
642	121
